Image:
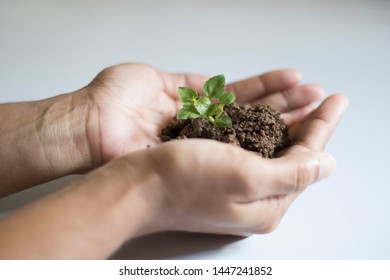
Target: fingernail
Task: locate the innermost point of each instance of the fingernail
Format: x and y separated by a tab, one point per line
346	105
297	75
327	166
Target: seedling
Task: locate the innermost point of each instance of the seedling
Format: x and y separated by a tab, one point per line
196	105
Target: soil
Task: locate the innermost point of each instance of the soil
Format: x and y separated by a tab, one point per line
259	129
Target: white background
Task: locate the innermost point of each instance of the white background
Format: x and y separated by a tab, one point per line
52	47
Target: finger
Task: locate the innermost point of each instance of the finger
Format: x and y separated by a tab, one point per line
263	216
299	171
291	175
285	175
253	88
297	115
173	81
272	210
314	133
293	98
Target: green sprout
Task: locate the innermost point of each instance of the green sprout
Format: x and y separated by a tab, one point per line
195	105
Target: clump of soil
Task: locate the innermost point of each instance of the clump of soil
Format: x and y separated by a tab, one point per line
259	129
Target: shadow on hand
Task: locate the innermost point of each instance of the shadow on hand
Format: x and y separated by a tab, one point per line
171	245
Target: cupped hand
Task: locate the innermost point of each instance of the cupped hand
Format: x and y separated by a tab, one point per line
131	103
211	187
202	185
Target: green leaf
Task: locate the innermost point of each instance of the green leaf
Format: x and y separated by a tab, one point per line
190	107
223	122
187	94
227	98
214	109
214	87
202	105
185	114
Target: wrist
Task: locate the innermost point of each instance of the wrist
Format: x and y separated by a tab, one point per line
89	219
43	140
62	131
131	191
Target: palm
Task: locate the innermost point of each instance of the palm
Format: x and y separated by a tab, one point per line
134	103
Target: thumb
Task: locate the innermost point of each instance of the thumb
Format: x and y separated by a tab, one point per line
297	171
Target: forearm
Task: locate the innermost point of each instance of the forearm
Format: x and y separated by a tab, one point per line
43	140
88	219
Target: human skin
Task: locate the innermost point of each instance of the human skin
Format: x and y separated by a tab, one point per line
130	190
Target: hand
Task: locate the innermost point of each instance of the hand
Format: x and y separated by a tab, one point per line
206	186
188	177
132	103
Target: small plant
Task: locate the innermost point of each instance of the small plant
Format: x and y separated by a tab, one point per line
195	105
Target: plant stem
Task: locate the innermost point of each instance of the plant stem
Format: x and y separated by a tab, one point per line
211	119
219	114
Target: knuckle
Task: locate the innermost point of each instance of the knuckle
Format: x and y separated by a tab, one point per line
264	228
264	224
303	176
112	70
246	181
243	180
247	190
273	218
269	226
